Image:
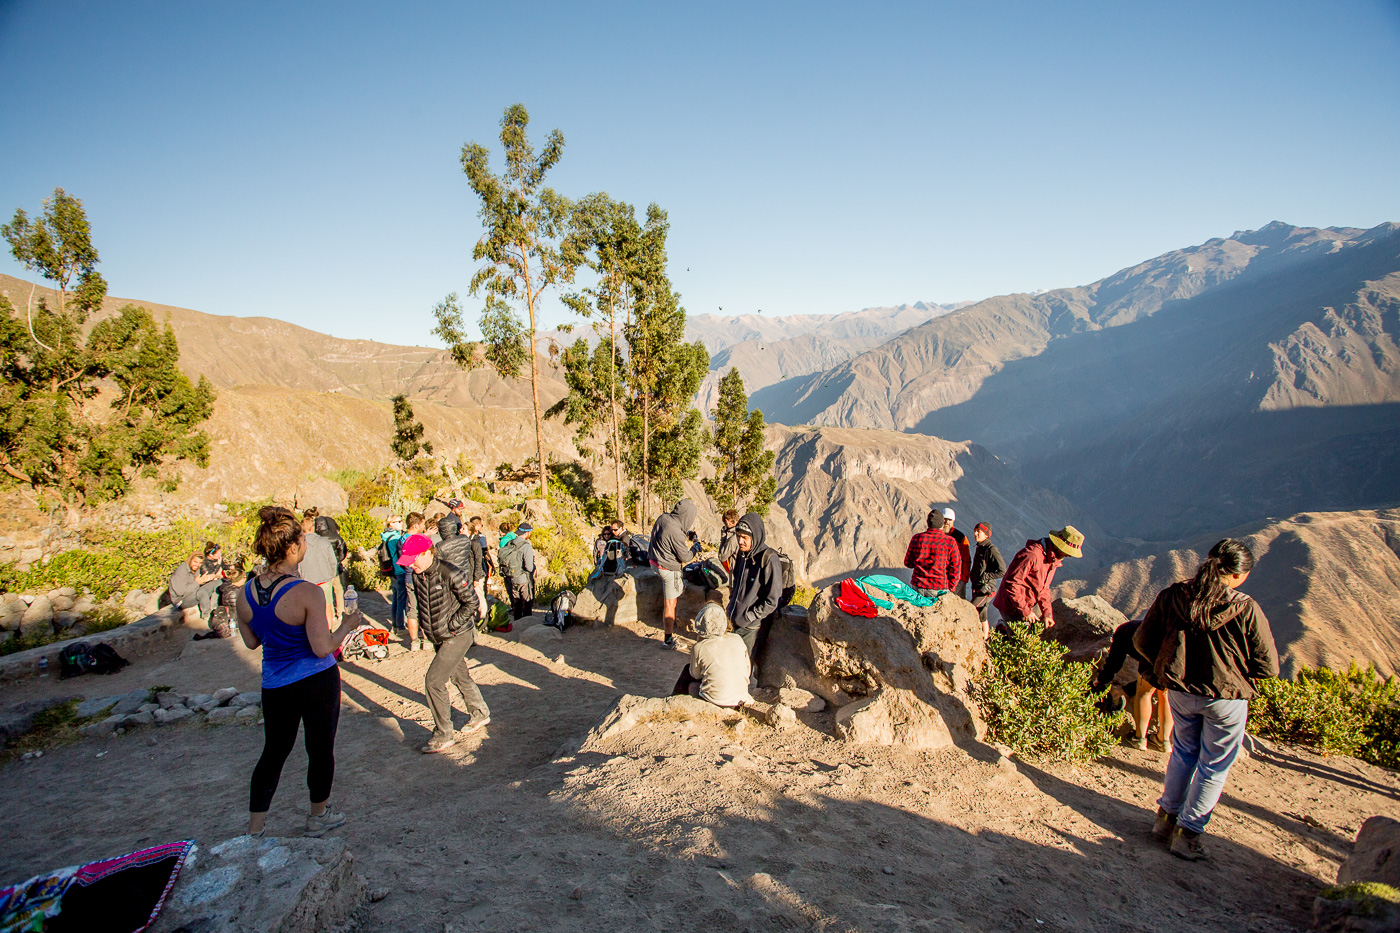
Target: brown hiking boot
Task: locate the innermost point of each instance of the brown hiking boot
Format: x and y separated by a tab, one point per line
1162	828
1187	845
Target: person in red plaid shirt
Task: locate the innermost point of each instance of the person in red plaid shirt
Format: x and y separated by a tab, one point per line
935	558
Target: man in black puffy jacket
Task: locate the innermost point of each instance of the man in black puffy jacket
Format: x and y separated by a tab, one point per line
442	600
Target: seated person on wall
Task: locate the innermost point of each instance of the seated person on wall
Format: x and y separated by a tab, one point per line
719	663
191	587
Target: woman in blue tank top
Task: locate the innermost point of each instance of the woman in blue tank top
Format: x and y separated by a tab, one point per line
287	617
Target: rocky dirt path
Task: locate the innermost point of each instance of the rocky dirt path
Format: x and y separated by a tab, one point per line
691	824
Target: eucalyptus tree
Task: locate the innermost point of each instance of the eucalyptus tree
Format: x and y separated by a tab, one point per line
524	252
744	478
664	432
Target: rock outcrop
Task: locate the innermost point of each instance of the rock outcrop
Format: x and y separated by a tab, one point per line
291	885
631	597
900	678
1376	854
1085	625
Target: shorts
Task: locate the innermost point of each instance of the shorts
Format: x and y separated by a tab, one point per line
671	583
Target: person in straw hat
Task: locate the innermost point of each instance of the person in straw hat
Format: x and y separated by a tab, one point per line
1024	594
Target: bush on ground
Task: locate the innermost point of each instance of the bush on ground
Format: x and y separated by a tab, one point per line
364	577
1354	712
1039	705
360	530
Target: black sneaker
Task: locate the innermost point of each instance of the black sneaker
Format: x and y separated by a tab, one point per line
670	642
1187	845
1162	828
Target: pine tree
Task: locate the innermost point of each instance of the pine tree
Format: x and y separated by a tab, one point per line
524	251
744	478
408	433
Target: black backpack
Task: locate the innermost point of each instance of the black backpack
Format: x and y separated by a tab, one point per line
386	558
789	577
614	557
637	547
82	658
559	610
709	574
326	527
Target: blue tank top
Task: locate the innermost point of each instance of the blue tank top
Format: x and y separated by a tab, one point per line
287	655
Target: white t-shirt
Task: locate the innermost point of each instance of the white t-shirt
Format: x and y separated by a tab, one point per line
721	664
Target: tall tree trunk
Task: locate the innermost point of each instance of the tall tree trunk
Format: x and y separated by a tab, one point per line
535	398
616	434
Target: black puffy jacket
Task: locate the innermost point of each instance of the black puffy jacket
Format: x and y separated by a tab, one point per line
441	598
454	548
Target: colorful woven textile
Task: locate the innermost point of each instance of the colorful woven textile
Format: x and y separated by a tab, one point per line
116	895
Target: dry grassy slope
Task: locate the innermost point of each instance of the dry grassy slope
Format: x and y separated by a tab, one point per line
1328	581
855	497
235	351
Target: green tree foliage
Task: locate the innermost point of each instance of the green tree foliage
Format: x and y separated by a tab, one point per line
743	469
594	381
1039	705
58	246
524	252
663	434
408	433
1354	712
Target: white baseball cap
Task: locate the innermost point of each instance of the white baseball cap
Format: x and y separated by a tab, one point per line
950	515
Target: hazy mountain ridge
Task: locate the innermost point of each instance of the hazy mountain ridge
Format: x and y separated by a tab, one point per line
720	331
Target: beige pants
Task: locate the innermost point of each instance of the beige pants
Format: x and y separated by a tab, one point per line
335	601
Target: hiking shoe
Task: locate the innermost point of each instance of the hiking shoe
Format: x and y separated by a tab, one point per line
1157	745
1139	742
476	725
1187	845
438	743
320	825
670	642
1163	827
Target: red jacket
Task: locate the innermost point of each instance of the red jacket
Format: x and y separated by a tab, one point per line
1027	582
935	559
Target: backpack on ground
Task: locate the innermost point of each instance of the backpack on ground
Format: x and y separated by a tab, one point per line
614	558
559	610
76	659
709	574
106	660
366	643
637	547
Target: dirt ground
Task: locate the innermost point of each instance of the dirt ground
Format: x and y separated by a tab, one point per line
688	824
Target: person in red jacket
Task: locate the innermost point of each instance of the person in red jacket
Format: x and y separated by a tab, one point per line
1024	594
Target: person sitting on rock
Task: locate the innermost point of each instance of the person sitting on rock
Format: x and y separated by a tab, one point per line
1024	594
933	555
190	587
719	663
756	592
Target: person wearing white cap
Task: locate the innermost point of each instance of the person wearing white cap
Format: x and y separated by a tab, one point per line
964	550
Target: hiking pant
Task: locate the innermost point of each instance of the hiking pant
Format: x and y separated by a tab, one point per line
687	685
1206	738
202	598
398	601
450	664
756	639
314	703
335	601
522	597
480	587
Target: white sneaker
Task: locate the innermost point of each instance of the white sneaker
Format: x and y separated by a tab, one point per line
320	825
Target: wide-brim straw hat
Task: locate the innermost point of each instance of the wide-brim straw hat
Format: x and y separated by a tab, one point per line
1069	540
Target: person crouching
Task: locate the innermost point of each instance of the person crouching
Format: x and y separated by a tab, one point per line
442	600
719	663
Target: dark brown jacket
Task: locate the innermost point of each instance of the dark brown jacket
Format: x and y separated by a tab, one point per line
1220	659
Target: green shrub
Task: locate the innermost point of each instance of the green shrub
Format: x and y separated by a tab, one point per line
1039	705
803	595
1356	713
360	530
364	577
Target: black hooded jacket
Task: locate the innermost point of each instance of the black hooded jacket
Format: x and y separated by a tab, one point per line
455	548
443	601
1220	659
757	585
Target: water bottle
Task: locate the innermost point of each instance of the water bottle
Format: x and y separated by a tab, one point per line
352	601
43	667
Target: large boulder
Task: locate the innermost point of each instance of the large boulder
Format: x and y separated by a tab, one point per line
537	512
629	711
1085	625
289	884
634	596
906	671
38	618
1376	854
326	495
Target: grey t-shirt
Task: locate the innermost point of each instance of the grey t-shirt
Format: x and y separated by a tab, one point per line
183	583
319	565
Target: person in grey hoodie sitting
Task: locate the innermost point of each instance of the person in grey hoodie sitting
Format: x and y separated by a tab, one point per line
719	667
669	553
756	589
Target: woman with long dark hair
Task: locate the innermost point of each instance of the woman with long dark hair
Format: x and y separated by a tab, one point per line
286	616
1209	644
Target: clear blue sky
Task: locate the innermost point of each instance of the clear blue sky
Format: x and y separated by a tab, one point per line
300	161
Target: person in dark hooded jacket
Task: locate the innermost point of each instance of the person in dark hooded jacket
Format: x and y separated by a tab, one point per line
669	553
1209	645
756	589
453	547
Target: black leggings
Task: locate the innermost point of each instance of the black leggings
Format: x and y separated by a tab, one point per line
315	701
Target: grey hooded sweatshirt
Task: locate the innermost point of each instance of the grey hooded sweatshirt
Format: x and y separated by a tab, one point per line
669	546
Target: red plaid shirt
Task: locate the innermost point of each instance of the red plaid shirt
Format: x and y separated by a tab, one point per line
935	559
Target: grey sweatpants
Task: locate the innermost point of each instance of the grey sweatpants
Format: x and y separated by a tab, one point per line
450	664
